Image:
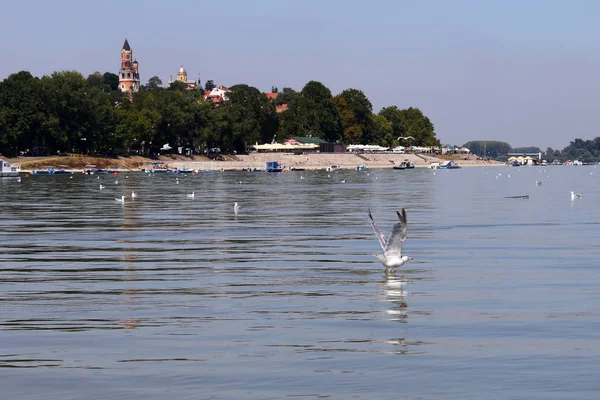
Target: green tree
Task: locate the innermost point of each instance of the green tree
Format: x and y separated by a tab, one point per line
111	82
154	83
383	132
69	109
286	96
250	117
489	148
411	122
313	113
95	80
356	112
21	112
529	149
177	86
209	85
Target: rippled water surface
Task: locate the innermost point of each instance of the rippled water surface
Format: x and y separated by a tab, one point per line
171	297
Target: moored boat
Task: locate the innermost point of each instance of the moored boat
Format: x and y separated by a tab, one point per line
8	169
273	166
449	165
92	169
406	164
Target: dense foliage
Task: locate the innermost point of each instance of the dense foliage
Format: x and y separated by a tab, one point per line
579	149
488	148
66	112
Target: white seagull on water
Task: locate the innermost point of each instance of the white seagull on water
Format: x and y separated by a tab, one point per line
392	246
575	195
121	200
191	195
133	194
236	207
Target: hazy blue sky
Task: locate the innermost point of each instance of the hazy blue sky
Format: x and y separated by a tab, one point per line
524	71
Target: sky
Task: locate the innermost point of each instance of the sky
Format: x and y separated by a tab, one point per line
524	72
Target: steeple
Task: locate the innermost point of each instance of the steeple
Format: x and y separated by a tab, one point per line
129	74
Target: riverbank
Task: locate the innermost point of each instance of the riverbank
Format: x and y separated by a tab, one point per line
245	161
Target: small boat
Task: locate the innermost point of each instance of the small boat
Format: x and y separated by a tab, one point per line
51	171
61	170
406	164
333	168
184	171
91	170
361	167
449	165
47	171
296	169
273	166
158	167
8	169
434	165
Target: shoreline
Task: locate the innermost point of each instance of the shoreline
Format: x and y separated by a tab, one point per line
310	161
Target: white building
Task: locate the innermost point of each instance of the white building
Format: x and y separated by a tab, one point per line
217	95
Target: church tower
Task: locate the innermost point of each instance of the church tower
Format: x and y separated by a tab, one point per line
182	75
129	75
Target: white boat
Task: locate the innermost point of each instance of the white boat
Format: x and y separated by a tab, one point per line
333	168
8	169
406	164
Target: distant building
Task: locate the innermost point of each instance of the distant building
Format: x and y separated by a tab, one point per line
217	95
272	96
281	108
129	75
182	77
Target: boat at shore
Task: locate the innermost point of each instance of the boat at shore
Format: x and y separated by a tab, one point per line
184	170
273	166
406	164
157	167
449	165
91	169
52	171
8	169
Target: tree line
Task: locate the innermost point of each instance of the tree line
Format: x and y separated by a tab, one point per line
67	112
578	149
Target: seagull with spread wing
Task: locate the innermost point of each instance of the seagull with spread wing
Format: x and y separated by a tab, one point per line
392	246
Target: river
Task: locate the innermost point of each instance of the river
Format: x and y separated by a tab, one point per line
166	296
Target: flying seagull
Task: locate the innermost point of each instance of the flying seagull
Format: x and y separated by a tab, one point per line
575	195
405	137
392	246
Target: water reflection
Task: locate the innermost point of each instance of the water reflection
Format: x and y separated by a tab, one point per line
392	291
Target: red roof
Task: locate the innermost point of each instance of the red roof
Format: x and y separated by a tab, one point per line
215	98
271	96
281	108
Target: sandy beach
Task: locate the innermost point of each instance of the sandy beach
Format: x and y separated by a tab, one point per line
245	161
323	160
